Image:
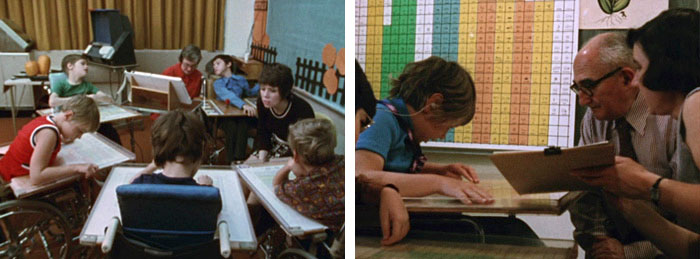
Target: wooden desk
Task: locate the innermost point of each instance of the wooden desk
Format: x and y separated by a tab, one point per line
258	179
215	108
252	68
507	200
159	109
369	247
10	84
234	210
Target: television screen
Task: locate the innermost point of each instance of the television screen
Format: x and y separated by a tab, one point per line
102	33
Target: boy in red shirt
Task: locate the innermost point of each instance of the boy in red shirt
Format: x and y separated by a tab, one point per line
34	150
187	69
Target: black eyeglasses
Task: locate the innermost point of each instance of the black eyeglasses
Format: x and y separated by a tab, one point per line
586	86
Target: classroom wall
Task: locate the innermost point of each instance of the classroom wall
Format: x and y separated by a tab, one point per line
238	27
302	28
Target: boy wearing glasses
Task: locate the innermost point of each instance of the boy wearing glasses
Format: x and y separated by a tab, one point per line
603	71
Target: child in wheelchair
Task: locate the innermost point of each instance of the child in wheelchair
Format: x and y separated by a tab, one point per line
178	142
57	209
33	152
318	191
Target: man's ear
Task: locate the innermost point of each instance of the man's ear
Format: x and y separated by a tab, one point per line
627	75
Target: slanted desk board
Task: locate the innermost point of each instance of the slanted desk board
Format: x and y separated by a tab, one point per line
234	210
259	180
519	53
90	148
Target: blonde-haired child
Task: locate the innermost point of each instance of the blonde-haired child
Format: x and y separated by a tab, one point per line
318	191
34	150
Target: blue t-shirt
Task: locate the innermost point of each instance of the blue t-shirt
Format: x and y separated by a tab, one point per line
386	138
234	88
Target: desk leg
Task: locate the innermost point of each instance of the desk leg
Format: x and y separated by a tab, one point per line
111	92
131	135
13	110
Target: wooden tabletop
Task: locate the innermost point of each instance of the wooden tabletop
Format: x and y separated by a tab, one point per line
369	247
507	200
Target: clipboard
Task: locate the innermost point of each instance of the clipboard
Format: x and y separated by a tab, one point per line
548	170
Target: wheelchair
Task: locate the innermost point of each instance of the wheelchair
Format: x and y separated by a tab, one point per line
277	244
45	222
182	223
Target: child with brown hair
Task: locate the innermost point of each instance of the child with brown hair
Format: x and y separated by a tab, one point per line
429	98
34	150
75	67
178	139
318	191
233	88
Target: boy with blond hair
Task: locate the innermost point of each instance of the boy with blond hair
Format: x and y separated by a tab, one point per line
34	150
318	191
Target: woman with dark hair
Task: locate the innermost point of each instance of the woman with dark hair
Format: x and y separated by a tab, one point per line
667	51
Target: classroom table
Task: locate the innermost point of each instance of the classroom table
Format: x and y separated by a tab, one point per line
441	245
10	84
234	210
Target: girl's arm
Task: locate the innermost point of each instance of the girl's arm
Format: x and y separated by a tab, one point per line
370	166
39	169
673	240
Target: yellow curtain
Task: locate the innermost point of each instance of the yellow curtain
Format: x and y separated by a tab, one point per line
157	24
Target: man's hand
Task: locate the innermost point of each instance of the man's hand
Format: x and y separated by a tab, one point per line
393	216
626	178
607	247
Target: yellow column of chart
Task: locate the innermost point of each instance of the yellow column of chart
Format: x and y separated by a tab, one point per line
374	45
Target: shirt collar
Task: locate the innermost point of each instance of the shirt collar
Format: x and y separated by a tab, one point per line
638	114
400	105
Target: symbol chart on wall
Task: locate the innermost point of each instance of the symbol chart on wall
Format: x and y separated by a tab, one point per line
519	53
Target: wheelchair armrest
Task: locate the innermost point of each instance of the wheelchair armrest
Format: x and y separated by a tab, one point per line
224	244
111	232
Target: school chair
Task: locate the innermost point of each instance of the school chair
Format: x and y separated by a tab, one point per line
55	77
166	221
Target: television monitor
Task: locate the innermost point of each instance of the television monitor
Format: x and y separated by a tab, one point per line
113	38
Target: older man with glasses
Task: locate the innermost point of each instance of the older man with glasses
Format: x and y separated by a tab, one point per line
603	71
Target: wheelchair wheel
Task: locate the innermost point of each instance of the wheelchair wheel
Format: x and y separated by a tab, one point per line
33	229
293	253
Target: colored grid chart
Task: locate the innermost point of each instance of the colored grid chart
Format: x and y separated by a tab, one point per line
519	53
